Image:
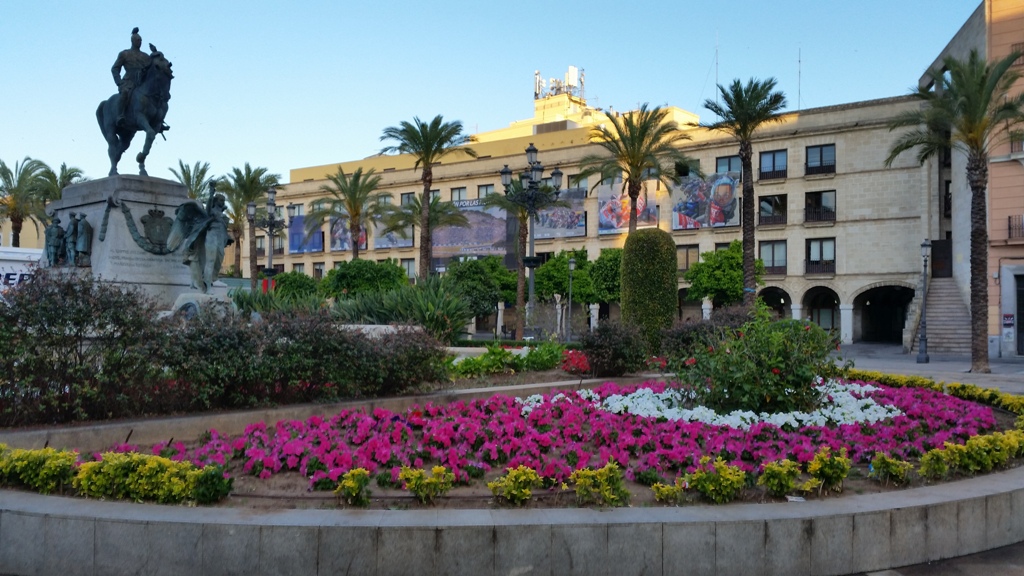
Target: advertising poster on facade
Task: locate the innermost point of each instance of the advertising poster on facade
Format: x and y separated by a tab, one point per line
297	241
706	202
383	241
341	240
613	210
487	233
564	222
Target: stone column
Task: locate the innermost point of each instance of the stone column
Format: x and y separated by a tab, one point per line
501	317
471	328
846	323
594	312
798	311
558	315
705	309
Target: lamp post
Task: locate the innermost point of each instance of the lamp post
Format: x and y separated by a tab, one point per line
530	197
271	223
922	347
572	266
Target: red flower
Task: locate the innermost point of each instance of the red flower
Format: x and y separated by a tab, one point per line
775	371
691	361
711	348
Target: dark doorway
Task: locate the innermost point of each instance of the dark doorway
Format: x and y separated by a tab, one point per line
778	300
822	307
883	313
942	258
1019	280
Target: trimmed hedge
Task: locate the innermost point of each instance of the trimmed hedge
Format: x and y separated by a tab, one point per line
649	284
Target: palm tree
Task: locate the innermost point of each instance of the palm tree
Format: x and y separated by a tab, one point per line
403	219
519	210
195	178
353	197
970	109
745	109
640	146
241	187
55	183
428	144
21	195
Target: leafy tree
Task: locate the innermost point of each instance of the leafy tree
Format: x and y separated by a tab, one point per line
719	276
427	143
352	197
241	187
505	278
605	274
293	283
402	219
514	205
55	183
649	284
553	277
969	109
356	277
640	146
746	108
195	178
474	282
21	195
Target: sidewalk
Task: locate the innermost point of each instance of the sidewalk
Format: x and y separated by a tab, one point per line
1007	373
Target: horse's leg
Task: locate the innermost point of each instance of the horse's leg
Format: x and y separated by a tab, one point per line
114	149
143	124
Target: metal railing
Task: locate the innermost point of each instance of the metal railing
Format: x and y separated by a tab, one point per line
819	214
1016	226
261	252
820	169
820	267
775	270
771	219
773	174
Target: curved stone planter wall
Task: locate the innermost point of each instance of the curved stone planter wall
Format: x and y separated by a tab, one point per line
54	535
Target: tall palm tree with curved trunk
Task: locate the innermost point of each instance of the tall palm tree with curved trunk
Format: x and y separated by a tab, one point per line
547	198
970	109
21	195
352	197
55	182
640	146
239	188
744	109
196	178
428	143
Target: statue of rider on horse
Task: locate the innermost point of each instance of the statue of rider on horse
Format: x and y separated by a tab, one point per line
139	105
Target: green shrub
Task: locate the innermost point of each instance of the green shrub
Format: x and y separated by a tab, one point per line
614	349
249	302
497	360
886	469
765	366
432	304
289	284
543	356
408	358
354	487
45	471
779	477
516	486
720	482
352	278
74	349
604	486
474	282
830	469
427	488
649	284
672	493
146	478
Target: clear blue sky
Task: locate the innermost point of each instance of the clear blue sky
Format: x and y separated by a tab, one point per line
288	85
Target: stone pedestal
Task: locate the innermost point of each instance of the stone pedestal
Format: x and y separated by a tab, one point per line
115	255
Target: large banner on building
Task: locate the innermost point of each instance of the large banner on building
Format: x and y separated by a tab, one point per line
297	241
706	202
341	239
487	233
613	210
383	241
564	222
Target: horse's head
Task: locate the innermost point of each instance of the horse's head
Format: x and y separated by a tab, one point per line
158	63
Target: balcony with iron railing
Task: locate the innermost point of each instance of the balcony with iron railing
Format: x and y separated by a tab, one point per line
771	219
279	251
820	169
1016	226
260	252
820	267
775	270
819	214
773	174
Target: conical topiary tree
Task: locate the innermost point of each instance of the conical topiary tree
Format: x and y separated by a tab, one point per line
649	283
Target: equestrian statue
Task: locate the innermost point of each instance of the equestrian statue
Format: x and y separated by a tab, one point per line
140	103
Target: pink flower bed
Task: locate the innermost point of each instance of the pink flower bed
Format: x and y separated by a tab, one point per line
558	437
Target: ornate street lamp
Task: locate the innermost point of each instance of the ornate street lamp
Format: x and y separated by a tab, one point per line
572	266
530	197
271	223
922	346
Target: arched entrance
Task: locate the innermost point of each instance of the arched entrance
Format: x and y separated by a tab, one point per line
821	306
882	313
778	300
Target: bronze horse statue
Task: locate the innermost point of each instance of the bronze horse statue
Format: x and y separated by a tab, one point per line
146	111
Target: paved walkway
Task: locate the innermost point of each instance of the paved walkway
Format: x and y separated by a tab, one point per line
1007	375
